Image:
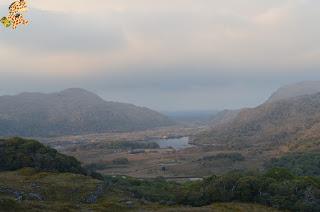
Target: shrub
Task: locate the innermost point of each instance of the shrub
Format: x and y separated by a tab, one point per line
120	161
230	156
302	164
17	153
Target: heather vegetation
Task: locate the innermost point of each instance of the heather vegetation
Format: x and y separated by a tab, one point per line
128	145
35	187
120	161
17	153
302	164
277	188
94	167
224	156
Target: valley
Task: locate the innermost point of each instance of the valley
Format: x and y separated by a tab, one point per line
235	160
34	177
160	106
242	139
192	160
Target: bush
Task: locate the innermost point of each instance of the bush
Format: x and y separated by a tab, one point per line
302	164
279	174
131	145
17	153
7	204
120	161
277	188
230	156
96	166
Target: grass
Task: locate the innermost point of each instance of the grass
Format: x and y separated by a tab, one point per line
66	187
222	207
69	192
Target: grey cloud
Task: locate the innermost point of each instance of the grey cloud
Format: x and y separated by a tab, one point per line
60	32
171	91
212	57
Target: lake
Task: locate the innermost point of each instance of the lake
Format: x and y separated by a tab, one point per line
176	143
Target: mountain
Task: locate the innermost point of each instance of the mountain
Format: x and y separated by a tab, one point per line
191	117
294	90
72	111
295	120
283	93
223	117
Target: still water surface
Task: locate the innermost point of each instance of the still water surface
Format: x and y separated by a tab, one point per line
176	143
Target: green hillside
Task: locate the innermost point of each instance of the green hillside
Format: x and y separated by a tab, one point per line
60	184
302	164
17	153
30	190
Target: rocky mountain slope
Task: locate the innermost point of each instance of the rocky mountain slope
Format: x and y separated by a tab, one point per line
223	117
72	111
285	92
275	123
294	90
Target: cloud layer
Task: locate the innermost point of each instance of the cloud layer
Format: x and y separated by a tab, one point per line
169	54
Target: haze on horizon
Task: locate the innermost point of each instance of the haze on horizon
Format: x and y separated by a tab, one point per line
166	55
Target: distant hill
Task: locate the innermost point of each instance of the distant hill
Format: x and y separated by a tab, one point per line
294	90
283	93
191	117
72	111
295	119
223	117
209	118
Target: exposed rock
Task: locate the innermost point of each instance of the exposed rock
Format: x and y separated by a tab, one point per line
93	197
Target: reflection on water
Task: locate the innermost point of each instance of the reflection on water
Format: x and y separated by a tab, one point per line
176	143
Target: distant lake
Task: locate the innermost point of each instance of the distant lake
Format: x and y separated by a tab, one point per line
176	143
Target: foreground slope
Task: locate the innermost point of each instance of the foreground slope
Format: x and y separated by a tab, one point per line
30	190
72	111
17	153
47	188
295	120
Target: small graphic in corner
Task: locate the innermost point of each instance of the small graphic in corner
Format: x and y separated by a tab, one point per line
15	17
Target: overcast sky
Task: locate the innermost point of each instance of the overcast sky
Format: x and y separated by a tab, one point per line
163	54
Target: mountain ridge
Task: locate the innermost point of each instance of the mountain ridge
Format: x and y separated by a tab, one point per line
72	111
277	123
295	90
